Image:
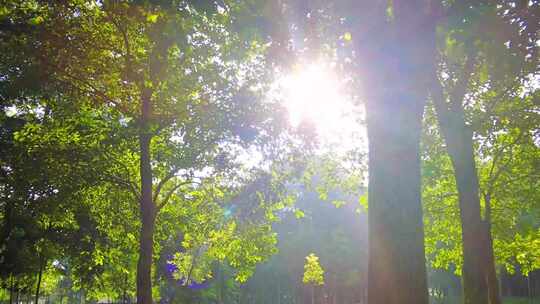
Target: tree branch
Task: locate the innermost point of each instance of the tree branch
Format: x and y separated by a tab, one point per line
192	266
494	176
163	181
450	113
128	58
169	193
93	90
126	183
457	95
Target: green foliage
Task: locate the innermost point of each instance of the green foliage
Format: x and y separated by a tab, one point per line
96	63
498	111
331	174
439	195
73	75
313	272
507	153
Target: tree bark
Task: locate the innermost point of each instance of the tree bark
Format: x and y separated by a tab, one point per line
397	60
494	294
17	294
473	234
459	143
41	265
147	206
396	235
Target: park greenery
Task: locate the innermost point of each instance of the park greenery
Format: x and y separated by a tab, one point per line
262	152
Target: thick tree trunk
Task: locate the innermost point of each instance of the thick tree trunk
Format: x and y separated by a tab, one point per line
147	208
460	147
459	143
396	235
397	59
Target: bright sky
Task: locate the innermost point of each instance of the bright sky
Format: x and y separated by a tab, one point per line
317	93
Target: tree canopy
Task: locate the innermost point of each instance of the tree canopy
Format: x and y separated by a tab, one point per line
149	151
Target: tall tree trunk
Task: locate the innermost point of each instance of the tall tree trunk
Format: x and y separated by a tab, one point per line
147	206
41	265
473	232
396	236
459	143
402	50
491	274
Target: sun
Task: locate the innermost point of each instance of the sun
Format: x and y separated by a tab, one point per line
317	93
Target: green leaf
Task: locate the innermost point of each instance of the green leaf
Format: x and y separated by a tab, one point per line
363	200
152	18
36	20
338	203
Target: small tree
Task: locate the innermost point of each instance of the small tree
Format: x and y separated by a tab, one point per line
313	274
